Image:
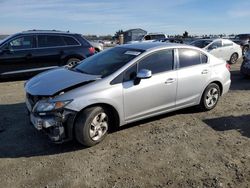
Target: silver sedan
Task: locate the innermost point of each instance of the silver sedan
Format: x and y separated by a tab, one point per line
121	85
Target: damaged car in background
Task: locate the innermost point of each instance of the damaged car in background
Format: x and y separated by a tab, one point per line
122	85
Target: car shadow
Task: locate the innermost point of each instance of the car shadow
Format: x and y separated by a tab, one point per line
239	82
238	123
18	138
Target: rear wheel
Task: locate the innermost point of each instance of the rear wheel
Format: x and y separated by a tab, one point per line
233	58
92	126
210	97
72	62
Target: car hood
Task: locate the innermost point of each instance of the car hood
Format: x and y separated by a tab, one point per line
58	80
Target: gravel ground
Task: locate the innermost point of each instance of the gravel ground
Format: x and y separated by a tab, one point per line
186	148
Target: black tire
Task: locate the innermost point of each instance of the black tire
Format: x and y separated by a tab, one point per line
71	62
233	59
204	99
83	126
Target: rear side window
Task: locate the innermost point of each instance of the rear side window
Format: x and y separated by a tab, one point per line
204	58
227	43
20	43
157	62
70	41
189	57
50	41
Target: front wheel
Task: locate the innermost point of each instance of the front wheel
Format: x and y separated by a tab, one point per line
233	58
92	126
210	97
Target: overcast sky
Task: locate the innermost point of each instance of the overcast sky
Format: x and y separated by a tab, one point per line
103	17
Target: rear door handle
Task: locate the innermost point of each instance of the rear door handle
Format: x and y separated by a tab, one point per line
170	81
204	71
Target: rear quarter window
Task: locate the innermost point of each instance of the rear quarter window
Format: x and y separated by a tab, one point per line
189	57
70	41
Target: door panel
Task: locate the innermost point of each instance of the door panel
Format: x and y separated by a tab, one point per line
47	57
16	56
191	82
150	95
49	51
193	75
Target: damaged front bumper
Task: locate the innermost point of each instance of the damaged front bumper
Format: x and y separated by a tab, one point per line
58	125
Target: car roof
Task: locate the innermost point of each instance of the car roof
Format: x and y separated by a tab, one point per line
151	45
46	32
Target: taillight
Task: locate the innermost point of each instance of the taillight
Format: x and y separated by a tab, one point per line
91	50
228	66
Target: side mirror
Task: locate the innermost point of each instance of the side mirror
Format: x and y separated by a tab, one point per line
142	74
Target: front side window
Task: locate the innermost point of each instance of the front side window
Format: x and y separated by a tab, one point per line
20	43
157	62
216	44
130	73
201	43
107	61
189	57
50	41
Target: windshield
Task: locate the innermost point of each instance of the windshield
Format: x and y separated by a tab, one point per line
5	39
108	61
201	43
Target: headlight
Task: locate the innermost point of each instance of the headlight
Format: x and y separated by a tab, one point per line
46	106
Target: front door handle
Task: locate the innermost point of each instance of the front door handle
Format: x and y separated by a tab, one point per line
204	71
170	81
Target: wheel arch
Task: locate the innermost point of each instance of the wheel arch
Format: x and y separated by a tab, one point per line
219	84
215	82
113	112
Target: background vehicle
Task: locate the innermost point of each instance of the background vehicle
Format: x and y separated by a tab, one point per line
221	48
242	40
97	45
171	40
151	37
35	51
245	66
154	36
121	85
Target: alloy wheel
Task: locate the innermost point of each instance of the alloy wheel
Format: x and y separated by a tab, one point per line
212	97
99	126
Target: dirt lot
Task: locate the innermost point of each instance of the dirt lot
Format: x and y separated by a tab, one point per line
187	148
